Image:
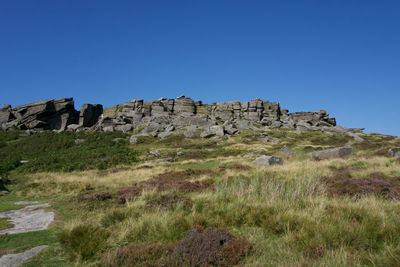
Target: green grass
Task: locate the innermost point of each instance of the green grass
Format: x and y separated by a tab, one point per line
4	224
49	151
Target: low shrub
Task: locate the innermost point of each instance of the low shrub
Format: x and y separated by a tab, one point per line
84	241
50	151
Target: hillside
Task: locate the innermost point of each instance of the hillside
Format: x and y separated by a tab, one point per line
256	187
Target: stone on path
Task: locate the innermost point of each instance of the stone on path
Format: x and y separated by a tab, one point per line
14	260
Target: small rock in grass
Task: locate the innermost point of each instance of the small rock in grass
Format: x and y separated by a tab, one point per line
79	141
155	153
332	153
268	160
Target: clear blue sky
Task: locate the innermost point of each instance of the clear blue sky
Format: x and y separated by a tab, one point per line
343	56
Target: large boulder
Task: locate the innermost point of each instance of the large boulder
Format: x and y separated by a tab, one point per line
268	160
47	114
6	114
217	130
89	114
332	153
184	106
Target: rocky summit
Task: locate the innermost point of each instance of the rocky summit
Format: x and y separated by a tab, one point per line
163	116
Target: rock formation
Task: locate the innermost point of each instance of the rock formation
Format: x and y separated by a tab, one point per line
161	117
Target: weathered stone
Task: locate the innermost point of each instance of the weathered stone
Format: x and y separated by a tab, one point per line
155	153
79	141
180	153
124	128
243	124
47	114
164	134
108	129
73	127
332	153
5	115
162	115
268	160
207	134
170	128
89	114
184	106
397	155
231	129
217	130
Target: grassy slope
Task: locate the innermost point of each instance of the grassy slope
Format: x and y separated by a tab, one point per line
284	211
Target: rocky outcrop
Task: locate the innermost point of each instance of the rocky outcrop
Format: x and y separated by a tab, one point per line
89	114
161	117
46	115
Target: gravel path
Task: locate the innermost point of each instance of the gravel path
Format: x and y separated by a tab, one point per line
14	260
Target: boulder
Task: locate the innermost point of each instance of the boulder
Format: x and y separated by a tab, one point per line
184	106
5	115
217	130
89	114
73	127
108	129
124	128
180	153
207	134
155	153
332	153
268	160
164	134
397	155
47	114
170	128
231	129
